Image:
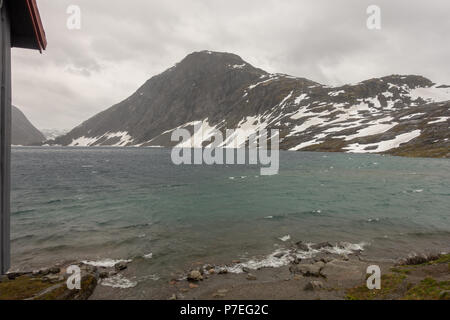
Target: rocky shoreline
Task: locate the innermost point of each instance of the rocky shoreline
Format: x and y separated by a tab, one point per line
52	283
325	275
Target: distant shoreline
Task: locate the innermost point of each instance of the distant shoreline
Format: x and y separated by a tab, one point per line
420	154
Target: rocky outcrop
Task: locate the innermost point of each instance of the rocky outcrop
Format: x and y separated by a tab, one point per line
47	284
308	270
52	283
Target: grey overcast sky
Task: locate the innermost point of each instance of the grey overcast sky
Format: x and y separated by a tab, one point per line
121	44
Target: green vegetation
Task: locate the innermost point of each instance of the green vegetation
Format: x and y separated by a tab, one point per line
36	288
88	284
332	145
401	270
445	258
22	288
422	152
407	282
390	284
429	289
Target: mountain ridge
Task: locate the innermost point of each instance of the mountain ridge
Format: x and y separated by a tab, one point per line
221	90
23	132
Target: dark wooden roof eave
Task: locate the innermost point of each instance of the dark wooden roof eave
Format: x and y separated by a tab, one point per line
27	30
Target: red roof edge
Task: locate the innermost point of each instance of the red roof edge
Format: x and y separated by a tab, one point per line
37	24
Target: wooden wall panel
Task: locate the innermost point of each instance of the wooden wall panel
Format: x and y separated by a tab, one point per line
5	140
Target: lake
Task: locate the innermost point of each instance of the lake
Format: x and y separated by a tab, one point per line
107	204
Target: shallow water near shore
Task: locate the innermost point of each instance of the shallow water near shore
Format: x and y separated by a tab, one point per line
102	205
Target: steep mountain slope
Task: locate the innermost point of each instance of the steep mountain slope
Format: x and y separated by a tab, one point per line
406	115
23	132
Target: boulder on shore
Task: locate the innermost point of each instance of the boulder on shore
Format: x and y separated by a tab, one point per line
308	270
120	266
314	285
195	275
302	246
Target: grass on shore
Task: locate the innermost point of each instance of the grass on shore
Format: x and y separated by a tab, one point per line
429	289
22	288
399	285
390	283
31	288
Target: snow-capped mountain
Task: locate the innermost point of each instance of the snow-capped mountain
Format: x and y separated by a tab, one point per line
402	115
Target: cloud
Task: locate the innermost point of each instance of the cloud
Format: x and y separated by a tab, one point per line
122	44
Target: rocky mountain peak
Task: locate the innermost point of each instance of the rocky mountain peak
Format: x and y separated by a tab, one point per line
412	81
211	64
208	57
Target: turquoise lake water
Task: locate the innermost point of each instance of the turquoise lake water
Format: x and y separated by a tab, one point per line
134	204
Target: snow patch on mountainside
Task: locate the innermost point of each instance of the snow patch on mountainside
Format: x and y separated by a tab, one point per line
375	127
410	116
247	127
203	133
336	93
383	146
311	122
238	66
283	102
439	120
431	94
83	142
304	145
124	140
271	78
